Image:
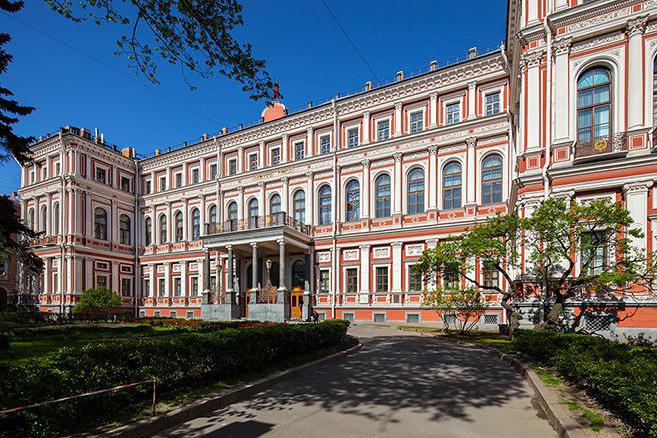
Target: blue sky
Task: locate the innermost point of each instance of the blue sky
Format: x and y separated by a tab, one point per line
304	49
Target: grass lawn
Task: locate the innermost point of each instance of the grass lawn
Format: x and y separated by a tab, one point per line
43	340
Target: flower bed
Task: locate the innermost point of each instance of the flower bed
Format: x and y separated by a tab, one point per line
175	361
621	377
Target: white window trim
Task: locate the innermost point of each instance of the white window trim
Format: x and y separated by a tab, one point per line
320	135
233	159
344	279
374	279
413	110
343	200
452	101
383	118
481	155
248	161
107	173
316	186
327	269
407	287
442	161
182	179
191	172
405	172
294	149
271	154
484	91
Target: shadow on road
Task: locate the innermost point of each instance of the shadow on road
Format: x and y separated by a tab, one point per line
431	377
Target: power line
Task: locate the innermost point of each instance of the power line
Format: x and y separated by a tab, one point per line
350	40
109	67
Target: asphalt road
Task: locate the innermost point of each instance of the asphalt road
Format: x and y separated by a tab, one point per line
398	385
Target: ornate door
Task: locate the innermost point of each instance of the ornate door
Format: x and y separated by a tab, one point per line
296	303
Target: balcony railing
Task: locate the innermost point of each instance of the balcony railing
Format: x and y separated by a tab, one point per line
601	145
257	223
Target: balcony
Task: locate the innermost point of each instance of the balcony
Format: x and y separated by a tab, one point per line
274	220
612	146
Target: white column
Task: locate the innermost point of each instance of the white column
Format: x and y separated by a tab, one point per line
47	287
185	211
532	11
284	147
561	86
89	213
365	191
284	195
89	272
311	141
397	185
262	203
364	274
560	4
636	201
183	278
432	281
396	267
310	196
635	29
433	185
167	280
433	110
185	170
115	277
472	100
240	203
261	154
398	119
533	60
48	226
202	215
471	180
240	159
152	285
366	128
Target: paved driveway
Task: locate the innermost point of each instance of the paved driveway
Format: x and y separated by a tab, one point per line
398	385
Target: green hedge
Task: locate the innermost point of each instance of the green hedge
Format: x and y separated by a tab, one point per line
621	377
184	360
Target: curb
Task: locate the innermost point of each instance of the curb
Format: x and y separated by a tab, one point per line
152	425
557	414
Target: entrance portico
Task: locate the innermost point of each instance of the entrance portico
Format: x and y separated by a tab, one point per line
265	259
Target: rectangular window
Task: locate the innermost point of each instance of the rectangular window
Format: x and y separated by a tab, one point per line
177	286
57	169
125	184
325	144
190	314
491	276
414	280
352	280
147	189
195	176
147	288
156	314
253	161
173	314
490	319
299	150
101	175
161	287
126	287
381	279
594	252
101	281
453	113
213	171
451	276
194	290
213	284
275	156
382	130
55	283
352	138
232	167
163	183
178	180
492	103
417	122
324	280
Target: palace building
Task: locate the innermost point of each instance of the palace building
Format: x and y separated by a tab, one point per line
327	209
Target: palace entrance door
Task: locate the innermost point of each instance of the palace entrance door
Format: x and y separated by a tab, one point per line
296	303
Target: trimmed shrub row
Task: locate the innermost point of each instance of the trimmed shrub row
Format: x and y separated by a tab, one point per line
621	377
183	360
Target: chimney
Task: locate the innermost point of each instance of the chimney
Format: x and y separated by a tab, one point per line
224	131
157	152
433	65
368	85
472	53
400	75
204	136
102	138
309	104
128	152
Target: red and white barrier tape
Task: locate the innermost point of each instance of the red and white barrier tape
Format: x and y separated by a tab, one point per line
86	394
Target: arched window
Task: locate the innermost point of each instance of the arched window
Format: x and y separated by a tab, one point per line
274	204
124	229
178	221
196	224
299	206
415	191
212	216
325	205
163	229
452	185
232	211
352	201
253	213
594	105
382	196
55	219
30	218
44	218
148	229
491	179
100	224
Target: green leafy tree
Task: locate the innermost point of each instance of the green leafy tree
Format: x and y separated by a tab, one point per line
198	35
466	305
582	251
100	300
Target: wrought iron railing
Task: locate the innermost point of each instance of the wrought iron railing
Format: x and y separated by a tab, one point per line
257	223
601	145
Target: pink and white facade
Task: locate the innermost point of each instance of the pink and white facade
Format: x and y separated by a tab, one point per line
340	199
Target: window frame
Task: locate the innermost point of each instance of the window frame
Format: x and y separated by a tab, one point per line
414	197
326	208
594	106
377	122
349	131
347	271
412	112
387	199
452	188
125	232
484	182
299	213
101	233
378	287
299	148
352	200
452	121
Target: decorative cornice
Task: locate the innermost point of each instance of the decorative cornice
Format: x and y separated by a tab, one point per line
561	46
636	26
